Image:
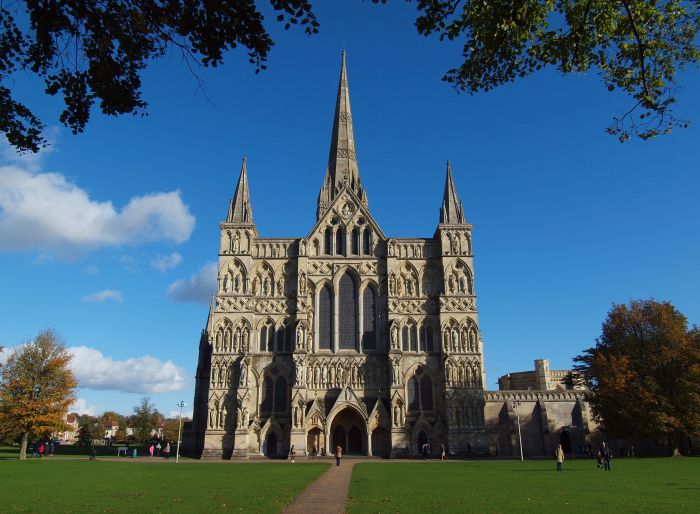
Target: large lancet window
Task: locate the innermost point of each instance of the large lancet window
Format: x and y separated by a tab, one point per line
426	338
369	319
413	394
419	389
355	242
328	241
275	393
325	318
267	392
367	242
347	314
281	394
340	242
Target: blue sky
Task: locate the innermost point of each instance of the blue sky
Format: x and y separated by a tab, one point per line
116	228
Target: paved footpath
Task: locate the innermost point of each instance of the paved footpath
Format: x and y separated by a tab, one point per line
328	494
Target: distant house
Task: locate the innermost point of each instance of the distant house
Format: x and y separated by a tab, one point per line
70	435
110	429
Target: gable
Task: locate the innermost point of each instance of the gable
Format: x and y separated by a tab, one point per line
348	211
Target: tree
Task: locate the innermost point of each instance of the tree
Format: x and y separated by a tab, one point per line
95	52
636	46
36	389
643	374
89	432
145	419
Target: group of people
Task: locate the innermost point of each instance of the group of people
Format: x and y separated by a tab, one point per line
155	450
603	457
42	449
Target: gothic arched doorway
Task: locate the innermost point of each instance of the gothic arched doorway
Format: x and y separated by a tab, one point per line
380	442
271	445
348	432
565	440
422	439
315	439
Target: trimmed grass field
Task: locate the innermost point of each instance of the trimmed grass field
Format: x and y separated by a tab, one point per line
77	485
70	485
633	485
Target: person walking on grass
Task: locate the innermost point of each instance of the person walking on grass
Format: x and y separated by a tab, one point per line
313	453
166	452
292	453
158	447
606	454
443	453
559	453
151	449
338	455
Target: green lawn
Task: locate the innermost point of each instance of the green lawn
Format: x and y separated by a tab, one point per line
634	485
46	485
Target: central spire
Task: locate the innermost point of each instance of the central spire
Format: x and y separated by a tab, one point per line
342	159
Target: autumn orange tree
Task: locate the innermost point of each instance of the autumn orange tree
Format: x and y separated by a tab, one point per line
643	374
36	389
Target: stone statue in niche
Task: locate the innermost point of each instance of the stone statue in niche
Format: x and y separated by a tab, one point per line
244	374
236	242
302	247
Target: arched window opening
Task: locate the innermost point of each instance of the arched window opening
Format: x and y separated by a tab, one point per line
288	338
405	339
281	394
414	339
355	249
263	338
267	392
340	242
423	342
347	319
426	393
328	242
369	319
428	339
413	394
325	318
280	339
367	241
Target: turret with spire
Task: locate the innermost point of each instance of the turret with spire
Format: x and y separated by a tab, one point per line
240	210
451	210
342	160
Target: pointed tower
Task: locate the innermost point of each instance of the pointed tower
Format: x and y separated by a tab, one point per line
451	211
342	159
240	210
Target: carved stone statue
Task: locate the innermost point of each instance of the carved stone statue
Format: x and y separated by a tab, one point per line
244	374
236	242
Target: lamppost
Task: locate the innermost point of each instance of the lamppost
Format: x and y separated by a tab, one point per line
520	437
179	431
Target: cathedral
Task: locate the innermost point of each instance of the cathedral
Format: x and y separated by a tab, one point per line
346	336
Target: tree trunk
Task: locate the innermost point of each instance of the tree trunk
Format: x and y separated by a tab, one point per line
23	446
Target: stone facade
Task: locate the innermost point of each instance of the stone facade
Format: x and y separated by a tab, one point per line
344	336
349	337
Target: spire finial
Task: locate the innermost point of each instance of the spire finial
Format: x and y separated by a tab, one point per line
240	209
451	211
342	159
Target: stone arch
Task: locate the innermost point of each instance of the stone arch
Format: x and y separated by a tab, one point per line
408	283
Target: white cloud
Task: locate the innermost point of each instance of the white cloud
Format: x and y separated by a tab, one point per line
198	288
139	375
166	262
104	295
92	270
44	211
81	407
